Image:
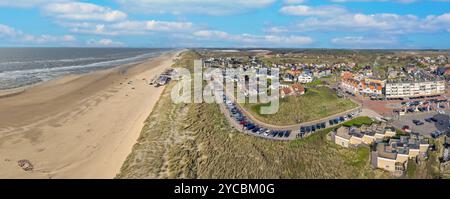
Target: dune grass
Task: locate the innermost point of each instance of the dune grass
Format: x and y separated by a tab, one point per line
316	103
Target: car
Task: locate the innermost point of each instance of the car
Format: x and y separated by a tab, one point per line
302	129
428	120
406	128
287	133
436	134
433	119
331	122
274	134
261	131
255	130
323	125
417	122
250	126
313	128
318	126
308	129
341	119
267	132
280	134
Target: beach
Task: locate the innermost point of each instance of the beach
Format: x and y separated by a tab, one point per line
78	126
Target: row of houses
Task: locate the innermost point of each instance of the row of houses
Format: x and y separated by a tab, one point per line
361	85
389	151
364	135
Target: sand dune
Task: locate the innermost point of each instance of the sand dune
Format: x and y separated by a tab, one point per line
78	126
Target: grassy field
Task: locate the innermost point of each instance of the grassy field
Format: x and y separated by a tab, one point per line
316	103
195	141
359	121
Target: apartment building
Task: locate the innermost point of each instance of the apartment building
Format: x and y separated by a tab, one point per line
406	89
393	155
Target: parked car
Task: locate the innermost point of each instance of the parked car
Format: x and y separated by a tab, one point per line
267	133
406	129
255	130
287	133
418	122
302	129
436	134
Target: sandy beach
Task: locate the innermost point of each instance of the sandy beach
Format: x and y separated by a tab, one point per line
80	126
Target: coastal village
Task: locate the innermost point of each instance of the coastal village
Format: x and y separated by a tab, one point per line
419	87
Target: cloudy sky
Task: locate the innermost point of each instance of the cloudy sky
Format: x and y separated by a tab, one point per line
227	23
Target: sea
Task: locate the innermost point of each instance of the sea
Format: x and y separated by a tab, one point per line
27	66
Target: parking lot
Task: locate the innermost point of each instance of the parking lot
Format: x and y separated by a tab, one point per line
441	122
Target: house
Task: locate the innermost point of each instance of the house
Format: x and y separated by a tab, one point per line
342	136
295	89
298	89
444	71
305	78
287	91
288	77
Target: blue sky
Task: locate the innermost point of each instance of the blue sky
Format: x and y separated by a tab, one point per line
412	24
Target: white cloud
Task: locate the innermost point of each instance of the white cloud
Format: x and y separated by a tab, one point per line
127	27
364	42
336	18
6	31
27	3
399	1
83	11
294	1
10	34
210	7
104	43
303	10
257	40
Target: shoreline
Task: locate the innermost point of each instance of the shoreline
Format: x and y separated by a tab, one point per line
78	126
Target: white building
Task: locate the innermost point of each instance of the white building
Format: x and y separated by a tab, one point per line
414	89
305	78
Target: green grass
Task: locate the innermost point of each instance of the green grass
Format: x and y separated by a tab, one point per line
315	83
316	103
359	121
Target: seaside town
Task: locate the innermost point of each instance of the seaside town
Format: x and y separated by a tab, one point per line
401	113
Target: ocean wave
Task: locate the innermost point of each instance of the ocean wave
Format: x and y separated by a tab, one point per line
19	78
